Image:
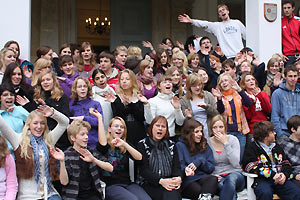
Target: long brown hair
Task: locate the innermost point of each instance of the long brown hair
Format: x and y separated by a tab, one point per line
3	151
188	136
80	64
156	119
191	81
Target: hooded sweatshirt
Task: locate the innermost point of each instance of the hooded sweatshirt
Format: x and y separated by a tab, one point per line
285	104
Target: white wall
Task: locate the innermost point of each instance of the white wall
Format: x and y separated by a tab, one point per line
15	24
262	36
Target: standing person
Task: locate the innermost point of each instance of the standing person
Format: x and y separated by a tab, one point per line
286	100
160	168
35	166
163	62
66	64
100	90
197	162
8	178
177	80
291	146
261	107
226	151
267	159
120	54
229	32
164	104
117	151
128	106
145	79
230	101
198	103
7	56
290	25
40	65
80	107
86	61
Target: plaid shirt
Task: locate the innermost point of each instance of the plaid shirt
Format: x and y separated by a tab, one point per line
72	162
292	151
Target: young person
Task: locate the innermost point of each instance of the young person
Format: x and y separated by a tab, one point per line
230	41
86	61
8	178
80	107
100	90
79	165
120	54
267	159
286	100
35	166
66	64
177	81
226	151
197	162
40	65
7	56
291	146
160	168
117	151
107	66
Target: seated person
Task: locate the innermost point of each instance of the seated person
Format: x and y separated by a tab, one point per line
291	146
267	159
79	165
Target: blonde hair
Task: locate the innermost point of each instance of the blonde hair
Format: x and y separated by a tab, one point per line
182	56
74	87
135	51
120	49
191	56
56	91
220	80
214	120
40	64
143	65
110	138
135	88
169	73
25	135
193	80
4	151
2	55
74	128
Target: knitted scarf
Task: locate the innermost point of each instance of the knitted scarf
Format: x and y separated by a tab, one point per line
38	143
160	159
236	105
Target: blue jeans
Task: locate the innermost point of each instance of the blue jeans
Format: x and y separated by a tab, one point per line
230	185
126	192
242	139
54	197
265	189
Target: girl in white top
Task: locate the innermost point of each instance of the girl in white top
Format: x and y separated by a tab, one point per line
164	104
33	161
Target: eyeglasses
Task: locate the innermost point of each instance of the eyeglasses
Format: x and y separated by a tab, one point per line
165	82
118	126
205	42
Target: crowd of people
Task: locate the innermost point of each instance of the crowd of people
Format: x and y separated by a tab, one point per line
170	124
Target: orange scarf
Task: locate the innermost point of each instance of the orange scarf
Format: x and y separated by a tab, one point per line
236	105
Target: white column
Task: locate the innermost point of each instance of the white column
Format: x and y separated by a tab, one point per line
262	36
15	24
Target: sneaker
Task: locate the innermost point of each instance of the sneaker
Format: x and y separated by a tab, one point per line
206	196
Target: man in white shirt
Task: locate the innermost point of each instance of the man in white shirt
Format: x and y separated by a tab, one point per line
230	32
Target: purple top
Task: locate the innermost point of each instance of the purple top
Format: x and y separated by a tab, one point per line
67	84
149	93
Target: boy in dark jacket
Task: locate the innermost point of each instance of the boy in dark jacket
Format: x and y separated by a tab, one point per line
266	159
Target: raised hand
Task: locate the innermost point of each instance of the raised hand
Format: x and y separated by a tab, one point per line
57	154
117	142
109	96
192	49
86	155
188	113
22	100
216	92
41	101
163	46
147	44
277	79
142	98
218	50
27	71
175	102
179	44
46	110
96	113
235	86
184	18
